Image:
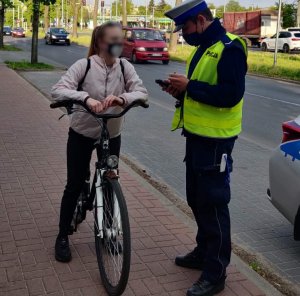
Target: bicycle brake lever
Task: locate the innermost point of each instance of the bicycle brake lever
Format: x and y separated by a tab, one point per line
60	117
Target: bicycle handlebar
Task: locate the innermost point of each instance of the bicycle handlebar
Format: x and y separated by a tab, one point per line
68	105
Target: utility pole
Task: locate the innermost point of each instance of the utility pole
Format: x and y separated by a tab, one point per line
298	14
62	13
225	3
146	16
13	14
277	33
124	13
116	10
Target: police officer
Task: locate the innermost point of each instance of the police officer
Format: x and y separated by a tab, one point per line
209	110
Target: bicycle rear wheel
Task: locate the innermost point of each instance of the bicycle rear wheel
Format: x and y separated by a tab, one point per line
113	248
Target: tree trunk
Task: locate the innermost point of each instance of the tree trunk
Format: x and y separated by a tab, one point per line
46	18
173	36
95	14
124	13
1	24
35	31
75	20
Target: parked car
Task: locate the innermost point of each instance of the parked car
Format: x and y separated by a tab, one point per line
287	42
18	32
294	29
143	44
7	30
57	35
284	173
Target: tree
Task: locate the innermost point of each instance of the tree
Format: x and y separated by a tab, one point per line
234	6
4	4
35	27
95	13
46	17
173	36
289	15
75	7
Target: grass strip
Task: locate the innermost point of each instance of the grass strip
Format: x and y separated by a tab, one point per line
27	66
288	65
9	47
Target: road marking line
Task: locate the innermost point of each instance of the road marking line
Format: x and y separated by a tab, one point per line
162	106
272	99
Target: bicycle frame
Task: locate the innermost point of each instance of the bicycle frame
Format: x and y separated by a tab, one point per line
101	172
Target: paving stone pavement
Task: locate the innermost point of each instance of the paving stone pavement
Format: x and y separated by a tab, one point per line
256	225
32	178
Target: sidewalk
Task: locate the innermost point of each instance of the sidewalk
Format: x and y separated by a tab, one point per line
32	178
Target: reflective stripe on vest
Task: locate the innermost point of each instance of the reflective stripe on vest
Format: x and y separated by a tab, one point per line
206	120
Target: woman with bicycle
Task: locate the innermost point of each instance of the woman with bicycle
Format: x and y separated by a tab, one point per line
105	83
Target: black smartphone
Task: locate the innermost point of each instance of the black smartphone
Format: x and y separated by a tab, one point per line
162	83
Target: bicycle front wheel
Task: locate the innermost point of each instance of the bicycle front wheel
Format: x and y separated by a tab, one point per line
112	237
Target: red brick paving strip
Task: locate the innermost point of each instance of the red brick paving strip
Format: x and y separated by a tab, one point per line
32	178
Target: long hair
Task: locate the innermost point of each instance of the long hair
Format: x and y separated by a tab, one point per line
98	34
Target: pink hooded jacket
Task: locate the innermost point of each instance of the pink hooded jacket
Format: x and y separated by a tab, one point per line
100	82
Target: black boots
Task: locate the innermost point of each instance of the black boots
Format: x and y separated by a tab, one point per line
62	249
205	288
190	260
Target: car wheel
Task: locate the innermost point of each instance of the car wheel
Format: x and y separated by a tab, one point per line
46	41
134	59
68	43
52	42
286	48
264	47
166	62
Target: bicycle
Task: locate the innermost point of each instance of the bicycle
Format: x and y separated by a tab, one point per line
111	226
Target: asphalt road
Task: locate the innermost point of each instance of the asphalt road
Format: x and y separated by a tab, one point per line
256	224
267	102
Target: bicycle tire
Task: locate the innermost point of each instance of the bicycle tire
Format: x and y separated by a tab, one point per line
119	288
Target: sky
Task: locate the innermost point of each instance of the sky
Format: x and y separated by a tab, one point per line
246	3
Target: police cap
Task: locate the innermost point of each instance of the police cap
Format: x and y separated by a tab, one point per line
188	9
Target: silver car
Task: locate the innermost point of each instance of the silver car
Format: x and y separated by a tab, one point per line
284	170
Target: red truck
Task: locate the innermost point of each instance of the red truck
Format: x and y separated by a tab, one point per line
252	26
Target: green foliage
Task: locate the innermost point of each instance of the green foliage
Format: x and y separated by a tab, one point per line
129	7
289	15
233	6
27	66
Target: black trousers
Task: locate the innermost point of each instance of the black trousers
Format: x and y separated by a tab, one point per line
79	153
208	195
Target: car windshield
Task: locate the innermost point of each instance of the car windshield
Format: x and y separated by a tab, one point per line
297	35
58	31
150	35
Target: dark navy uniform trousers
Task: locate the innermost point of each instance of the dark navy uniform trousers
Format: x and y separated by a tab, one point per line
208	195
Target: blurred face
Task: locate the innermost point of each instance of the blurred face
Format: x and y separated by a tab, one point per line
193	29
195	25
112	41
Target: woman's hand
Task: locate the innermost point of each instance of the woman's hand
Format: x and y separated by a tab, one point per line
112	101
94	105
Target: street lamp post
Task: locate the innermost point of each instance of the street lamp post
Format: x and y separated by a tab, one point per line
225	2
81	17
146	16
277	33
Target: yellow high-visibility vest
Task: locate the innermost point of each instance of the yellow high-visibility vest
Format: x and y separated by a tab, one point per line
206	120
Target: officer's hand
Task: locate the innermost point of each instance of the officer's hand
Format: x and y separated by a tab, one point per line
179	82
172	91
